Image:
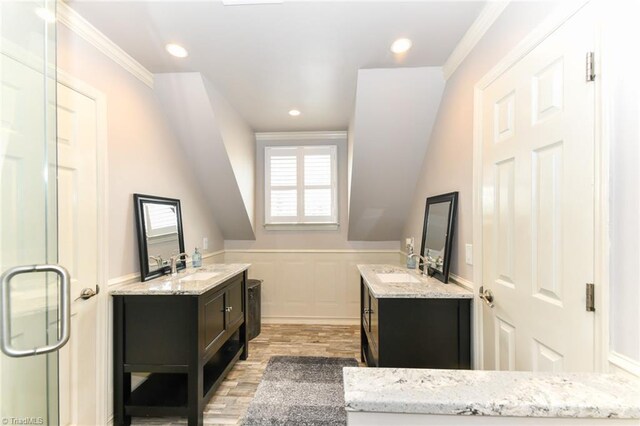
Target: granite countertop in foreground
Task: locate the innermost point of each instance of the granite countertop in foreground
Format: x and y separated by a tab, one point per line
423	288
491	393
190	281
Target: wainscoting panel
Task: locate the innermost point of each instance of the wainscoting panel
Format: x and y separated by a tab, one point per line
305	287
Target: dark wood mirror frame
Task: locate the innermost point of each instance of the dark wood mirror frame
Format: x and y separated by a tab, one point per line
451	197
139	200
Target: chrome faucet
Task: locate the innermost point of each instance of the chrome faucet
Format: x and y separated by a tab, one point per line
174	262
158	260
425	263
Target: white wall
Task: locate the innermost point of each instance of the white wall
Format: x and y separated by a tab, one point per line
622	96
189	103
448	163
239	143
394	114
143	155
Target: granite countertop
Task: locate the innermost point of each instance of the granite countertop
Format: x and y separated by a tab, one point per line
190	281
491	393
421	288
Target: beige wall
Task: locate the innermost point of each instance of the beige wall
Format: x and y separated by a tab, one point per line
448	164
306	240
143	154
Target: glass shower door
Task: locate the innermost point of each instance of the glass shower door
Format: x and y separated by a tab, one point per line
34	321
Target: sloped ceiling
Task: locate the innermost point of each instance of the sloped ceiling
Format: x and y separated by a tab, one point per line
394	113
219	145
268	59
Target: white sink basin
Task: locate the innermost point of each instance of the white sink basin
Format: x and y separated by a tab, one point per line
399	277
200	276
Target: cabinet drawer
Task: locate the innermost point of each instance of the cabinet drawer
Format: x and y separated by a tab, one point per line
235	305
214	319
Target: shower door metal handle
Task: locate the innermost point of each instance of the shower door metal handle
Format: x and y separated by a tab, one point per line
5	302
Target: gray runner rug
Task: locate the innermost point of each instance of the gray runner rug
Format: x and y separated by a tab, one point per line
298	390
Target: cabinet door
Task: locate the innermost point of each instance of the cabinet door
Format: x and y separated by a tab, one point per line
214	319
235	302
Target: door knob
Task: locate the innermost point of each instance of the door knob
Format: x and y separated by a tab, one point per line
486	296
88	293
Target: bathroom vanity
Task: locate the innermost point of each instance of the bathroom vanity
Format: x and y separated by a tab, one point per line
186	332
414	321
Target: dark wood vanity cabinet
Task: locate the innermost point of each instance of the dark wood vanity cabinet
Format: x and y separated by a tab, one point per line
415	332
185	343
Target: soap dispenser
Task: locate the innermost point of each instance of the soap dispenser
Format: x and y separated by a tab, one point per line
411	260
196	259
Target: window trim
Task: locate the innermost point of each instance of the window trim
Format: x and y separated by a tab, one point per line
299	221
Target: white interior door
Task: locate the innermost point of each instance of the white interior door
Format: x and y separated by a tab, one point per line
538	206
78	249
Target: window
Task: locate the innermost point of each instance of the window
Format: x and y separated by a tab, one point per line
301	185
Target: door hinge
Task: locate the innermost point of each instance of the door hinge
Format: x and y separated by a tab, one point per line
591	70
591	299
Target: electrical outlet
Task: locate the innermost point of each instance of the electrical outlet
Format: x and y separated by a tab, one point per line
468	254
205	243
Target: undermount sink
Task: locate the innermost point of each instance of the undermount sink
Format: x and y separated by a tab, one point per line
200	276
399	277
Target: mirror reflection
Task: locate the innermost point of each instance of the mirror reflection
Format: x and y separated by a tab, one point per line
437	229
160	236
437	234
161	226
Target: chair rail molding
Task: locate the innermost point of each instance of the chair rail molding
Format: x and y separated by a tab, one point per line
79	25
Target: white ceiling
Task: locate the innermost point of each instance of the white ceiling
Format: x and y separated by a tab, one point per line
268	59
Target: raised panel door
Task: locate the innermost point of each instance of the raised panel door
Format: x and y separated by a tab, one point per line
214	319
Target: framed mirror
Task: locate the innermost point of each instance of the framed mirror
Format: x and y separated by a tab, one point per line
437	234
159	228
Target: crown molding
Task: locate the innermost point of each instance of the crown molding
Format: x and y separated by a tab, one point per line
488	15
282	136
76	23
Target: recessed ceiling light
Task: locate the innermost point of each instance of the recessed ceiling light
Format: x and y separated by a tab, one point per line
401	45
46	14
177	50
294	113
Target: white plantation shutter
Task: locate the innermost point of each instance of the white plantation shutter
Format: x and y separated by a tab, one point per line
301	184
161	219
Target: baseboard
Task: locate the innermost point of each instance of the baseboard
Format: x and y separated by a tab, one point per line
311	320
625	363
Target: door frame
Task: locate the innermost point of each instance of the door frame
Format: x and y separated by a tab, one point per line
102	303
601	184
